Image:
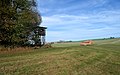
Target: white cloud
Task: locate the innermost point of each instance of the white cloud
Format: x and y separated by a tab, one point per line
79	19
61	20
80	27
82	34
87	19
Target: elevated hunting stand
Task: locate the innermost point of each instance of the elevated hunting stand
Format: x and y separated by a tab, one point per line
37	36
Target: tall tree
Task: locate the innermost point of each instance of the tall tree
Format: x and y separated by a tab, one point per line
17	17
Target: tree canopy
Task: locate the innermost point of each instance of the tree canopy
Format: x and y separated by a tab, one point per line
17	19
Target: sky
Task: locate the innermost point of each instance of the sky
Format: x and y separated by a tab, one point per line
80	19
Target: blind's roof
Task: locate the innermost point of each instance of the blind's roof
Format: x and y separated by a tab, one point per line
40	27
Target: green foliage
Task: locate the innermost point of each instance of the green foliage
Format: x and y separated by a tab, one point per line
17	19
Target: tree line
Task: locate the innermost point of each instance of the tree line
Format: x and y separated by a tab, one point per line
17	19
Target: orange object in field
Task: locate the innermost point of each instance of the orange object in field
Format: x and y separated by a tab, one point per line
85	43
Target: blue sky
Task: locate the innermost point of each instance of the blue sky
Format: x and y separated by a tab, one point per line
80	19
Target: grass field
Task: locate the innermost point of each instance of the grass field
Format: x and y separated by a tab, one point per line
102	58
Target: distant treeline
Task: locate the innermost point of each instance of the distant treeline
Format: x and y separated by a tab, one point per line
62	41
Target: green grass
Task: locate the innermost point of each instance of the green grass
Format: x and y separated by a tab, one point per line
69	44
102	58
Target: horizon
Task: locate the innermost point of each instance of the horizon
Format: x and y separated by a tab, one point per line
85	39
80	19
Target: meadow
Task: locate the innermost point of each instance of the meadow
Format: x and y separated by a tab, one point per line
101	58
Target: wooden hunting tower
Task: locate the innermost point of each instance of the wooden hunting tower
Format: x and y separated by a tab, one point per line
37	36
40	33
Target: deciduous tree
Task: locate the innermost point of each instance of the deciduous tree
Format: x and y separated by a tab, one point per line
17	18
